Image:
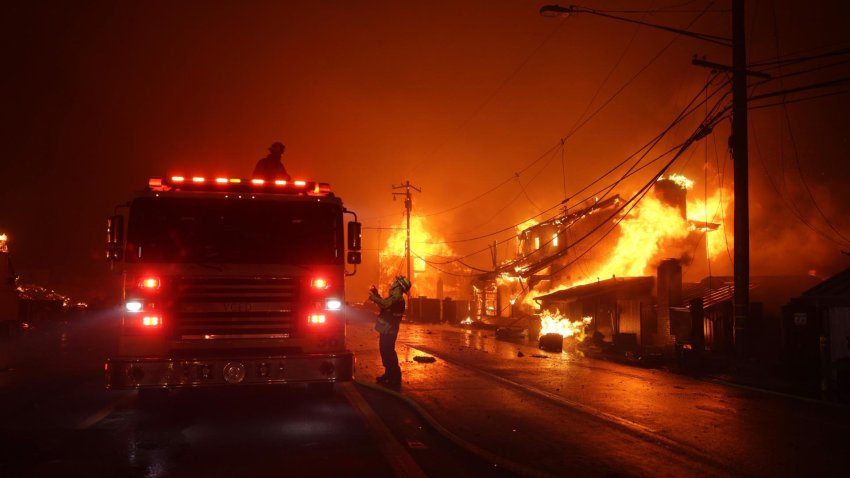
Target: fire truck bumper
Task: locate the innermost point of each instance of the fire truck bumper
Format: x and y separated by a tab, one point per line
128	373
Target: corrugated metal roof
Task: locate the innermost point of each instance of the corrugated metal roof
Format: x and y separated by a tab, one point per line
769	290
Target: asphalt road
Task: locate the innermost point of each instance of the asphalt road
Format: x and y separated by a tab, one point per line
483	407
568	415
58	420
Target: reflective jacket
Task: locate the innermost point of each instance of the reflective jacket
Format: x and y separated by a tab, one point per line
392	308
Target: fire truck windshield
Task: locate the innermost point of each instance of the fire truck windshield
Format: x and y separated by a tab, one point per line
219	230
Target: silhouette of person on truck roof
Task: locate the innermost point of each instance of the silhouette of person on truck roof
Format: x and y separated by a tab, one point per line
271	167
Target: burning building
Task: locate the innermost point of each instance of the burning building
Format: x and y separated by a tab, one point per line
595	267
435	274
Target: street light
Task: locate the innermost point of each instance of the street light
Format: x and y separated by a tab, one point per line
738	144
557	10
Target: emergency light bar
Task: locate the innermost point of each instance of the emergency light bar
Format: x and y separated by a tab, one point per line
276	186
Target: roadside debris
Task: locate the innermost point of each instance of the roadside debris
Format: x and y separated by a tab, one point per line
424	359
551	342
520	354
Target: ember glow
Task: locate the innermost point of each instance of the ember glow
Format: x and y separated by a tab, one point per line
559	324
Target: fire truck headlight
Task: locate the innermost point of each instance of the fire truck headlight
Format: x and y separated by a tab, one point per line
133	306
333	304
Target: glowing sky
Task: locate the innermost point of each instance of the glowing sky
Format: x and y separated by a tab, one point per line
456	96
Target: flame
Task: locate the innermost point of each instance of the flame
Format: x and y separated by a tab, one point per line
713	209
522	227
682	181
558	324
424	247
650	226
654	227
651	229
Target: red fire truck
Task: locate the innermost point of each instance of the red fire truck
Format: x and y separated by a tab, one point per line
231	282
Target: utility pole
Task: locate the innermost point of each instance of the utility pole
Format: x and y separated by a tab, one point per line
740	168
408	206
738	143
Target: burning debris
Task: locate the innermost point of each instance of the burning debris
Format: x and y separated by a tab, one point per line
563	326
551	342
554	328
424	359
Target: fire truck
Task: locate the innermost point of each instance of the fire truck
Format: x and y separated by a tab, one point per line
231	282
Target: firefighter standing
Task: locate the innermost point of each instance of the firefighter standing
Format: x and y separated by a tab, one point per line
271	167
387	324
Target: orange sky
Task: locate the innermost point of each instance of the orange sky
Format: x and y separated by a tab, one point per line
456	96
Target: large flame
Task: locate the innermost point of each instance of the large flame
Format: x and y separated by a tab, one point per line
425	247
653	228
712	209
559	324
649	231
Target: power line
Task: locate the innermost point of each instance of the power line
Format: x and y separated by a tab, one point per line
578	126
687	111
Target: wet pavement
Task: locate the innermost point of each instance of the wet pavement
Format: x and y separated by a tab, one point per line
562	413
481	407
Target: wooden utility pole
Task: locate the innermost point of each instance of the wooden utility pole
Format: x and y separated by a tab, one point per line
408	206
740	168
738	144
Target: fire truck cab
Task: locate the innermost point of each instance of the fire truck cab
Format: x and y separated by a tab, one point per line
231	282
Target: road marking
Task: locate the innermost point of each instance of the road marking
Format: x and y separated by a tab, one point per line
400	460
105	411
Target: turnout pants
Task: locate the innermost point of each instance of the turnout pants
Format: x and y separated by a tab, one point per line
386	343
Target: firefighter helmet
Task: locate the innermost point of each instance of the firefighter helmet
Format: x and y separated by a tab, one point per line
277	148
402	282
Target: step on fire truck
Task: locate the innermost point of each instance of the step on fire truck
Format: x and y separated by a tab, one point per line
231	282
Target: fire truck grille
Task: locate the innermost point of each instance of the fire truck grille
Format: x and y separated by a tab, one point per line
235	308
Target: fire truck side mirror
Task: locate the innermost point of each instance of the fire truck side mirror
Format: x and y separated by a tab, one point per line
114	238
353	238
353	242
354	257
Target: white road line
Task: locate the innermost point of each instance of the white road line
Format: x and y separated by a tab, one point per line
400	460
